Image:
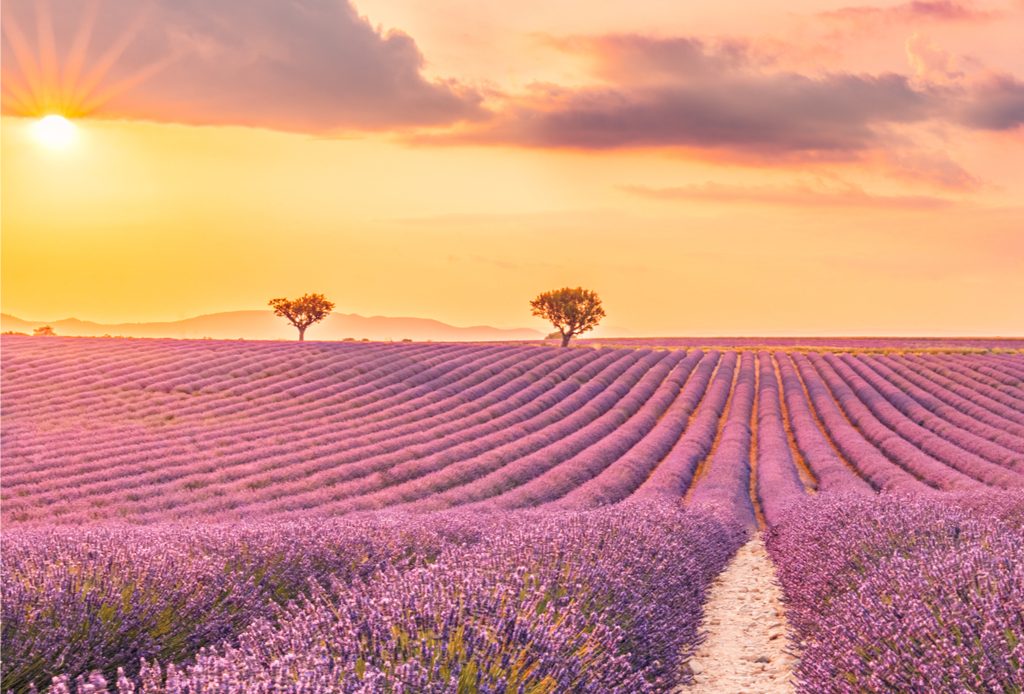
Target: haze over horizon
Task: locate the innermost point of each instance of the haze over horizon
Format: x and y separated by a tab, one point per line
827	168
260	324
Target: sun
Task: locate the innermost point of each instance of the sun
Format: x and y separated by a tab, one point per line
42	82
54	131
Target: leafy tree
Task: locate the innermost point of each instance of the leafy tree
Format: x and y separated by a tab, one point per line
44	331
571	311
302	312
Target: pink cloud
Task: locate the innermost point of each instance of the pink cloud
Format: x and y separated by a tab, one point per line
930	63
996	102
777	114
304	65
933	168
939	11
799	196
317	66
640	58
726	97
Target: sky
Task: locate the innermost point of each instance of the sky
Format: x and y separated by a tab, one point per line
730	168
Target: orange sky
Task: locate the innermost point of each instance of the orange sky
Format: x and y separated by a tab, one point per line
818	169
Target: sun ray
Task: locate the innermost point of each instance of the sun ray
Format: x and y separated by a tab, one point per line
76	55
102	96
14	89
25	61
48	59
99	70
42	81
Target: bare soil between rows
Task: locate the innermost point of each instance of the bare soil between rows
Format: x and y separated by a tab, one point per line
747	646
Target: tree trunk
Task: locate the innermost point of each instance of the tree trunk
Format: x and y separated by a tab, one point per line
565	339
302	332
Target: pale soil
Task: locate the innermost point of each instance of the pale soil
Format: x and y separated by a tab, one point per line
747	649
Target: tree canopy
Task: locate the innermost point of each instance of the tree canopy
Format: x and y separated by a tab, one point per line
572	311
302	312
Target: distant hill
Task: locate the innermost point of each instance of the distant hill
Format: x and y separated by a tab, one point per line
263	325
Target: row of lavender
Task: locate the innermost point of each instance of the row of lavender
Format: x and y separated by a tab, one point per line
100	597
157	430
896	592
602	601
746	436
795	424
917	589
438	413
837	343
905	593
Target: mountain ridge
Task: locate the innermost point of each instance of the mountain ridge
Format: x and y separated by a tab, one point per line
263	325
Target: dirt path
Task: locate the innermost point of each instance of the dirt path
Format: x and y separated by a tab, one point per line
746	646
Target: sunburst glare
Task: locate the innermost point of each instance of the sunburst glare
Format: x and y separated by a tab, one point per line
55	131
42	80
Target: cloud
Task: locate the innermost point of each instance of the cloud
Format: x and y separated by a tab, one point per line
763	114
317	66
931	64
995	103
797	196
920	165
637	58
865	17
302	65
729	101
981	99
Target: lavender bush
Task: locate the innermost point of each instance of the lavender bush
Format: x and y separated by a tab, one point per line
909	594
542	519
603	601
103	597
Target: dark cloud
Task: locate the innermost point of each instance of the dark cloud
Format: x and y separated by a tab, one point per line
996	103
317	66
305	65
766	114
727	97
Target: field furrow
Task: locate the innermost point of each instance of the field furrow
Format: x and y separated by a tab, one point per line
384	513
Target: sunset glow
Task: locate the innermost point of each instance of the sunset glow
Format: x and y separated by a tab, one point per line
821	168
54	131
568	346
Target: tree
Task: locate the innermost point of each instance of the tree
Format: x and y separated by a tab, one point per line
302	312
571	311
44	331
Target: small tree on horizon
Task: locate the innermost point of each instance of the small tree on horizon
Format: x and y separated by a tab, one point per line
571	311
44	331
302	312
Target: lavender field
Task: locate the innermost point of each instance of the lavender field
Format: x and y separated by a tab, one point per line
206	516
871	344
